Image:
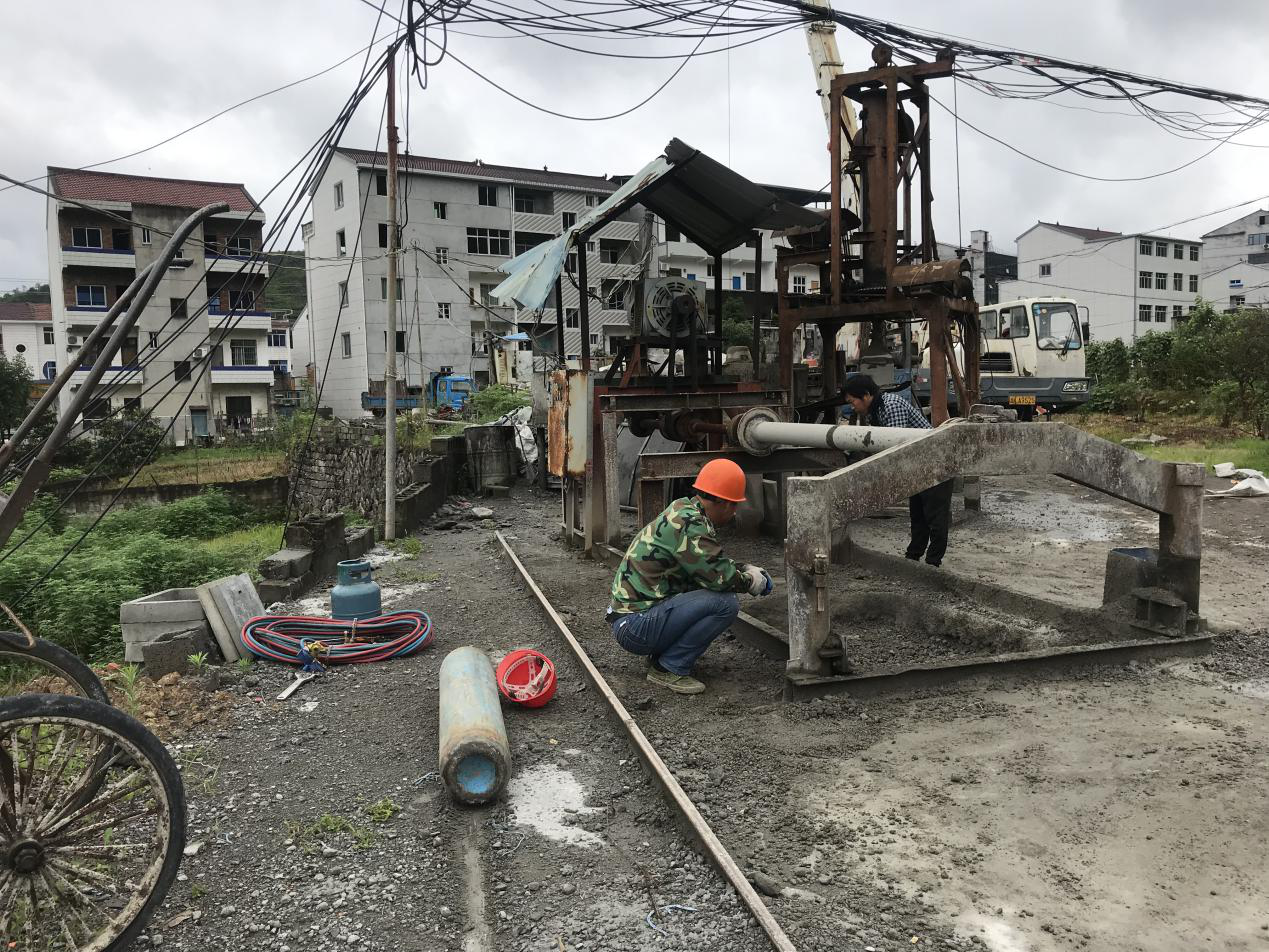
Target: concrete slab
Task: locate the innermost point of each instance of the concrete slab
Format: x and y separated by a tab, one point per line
171	651
230	603
287	563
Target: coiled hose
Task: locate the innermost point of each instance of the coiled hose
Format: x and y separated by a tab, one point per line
310	641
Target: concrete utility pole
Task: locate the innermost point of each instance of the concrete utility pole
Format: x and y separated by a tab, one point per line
390	357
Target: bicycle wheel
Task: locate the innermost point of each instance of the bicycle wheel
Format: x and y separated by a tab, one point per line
49	668
89	845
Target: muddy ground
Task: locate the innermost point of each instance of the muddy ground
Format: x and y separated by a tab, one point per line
1123	808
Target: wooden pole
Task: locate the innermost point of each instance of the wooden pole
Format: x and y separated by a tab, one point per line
390	355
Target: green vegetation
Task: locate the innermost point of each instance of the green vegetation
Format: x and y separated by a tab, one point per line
15	391
131	553
1191	439
495	401
310	836
35	294
381	811
411	546
286	281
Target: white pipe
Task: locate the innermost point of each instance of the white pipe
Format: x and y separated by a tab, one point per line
850	439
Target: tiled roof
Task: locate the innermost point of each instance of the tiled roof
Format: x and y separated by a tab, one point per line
1088	234
503	173
144	190
25	311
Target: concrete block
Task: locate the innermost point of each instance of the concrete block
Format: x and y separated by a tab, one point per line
283	590
230	603
359	541
1128	570
171	651
144	619
287	563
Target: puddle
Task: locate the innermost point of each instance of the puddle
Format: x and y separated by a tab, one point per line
546	797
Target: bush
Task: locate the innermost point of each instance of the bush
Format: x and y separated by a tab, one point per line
120	444
1107	362
493	402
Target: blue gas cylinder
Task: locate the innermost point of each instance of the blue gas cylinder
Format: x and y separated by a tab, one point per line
356	594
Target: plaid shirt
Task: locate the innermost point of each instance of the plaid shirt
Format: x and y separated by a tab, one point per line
896	411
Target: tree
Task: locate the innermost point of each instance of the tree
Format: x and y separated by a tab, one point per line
15	391
36	294
1107	361
737	324
1242	351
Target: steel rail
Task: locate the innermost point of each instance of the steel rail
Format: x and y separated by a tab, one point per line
652	760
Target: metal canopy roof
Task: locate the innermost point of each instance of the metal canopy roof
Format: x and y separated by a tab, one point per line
713	206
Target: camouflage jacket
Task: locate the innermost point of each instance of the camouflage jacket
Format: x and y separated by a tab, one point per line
676	552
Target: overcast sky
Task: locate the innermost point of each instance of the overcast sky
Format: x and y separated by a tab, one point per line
84	82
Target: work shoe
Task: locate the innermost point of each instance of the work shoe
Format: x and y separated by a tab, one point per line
678	683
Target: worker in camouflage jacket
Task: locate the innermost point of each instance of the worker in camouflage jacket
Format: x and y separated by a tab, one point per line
675	591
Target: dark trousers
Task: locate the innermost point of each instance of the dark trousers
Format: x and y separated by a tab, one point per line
931	513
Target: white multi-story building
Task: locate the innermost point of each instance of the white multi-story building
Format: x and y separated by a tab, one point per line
218	368
1131	284
26	332
1236	263
459	221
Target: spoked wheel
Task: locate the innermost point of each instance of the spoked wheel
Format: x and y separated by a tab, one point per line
92	824
46	668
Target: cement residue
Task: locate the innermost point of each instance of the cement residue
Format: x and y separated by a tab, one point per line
549	799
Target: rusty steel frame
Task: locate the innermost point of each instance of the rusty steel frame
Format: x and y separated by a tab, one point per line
820	508
900	281
678	798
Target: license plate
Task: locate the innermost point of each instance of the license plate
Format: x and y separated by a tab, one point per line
1022	399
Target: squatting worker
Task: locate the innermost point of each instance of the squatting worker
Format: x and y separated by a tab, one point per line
674	592
930	511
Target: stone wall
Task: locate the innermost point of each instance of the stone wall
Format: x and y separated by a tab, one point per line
343	472
261	493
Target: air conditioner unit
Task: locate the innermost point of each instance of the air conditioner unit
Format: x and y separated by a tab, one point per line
199	353
71	340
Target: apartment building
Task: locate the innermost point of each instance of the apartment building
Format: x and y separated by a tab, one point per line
458	222
26	332
216	370
1236	263
987	266
1131	284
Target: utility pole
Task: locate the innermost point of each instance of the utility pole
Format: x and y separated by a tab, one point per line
390	357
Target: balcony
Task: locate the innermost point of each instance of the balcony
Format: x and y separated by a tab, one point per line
221	319
98	257
242	374
252	264
528	221
623	230
625	272
114	376
85	316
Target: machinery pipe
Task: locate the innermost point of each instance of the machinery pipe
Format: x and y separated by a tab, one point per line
475	759
849	439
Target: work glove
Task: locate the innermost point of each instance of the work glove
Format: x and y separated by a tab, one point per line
760	583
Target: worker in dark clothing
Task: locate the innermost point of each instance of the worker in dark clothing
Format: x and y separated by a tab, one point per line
930	511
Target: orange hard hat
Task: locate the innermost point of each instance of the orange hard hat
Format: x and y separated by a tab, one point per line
722	478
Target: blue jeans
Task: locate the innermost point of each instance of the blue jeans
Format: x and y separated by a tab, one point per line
675	632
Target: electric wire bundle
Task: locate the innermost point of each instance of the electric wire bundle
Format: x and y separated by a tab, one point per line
312	642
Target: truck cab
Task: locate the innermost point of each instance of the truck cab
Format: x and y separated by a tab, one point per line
1032	355
450	390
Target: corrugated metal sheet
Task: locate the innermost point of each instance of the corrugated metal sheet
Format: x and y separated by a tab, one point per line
567	424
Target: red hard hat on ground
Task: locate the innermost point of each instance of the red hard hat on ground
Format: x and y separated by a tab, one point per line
722	478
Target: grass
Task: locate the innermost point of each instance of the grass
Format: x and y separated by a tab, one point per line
308	836
221	464
1190	439
247	546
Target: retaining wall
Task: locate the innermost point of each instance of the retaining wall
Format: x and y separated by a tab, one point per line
256	493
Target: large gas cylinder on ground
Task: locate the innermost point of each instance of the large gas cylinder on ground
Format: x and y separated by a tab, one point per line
356	594
475	759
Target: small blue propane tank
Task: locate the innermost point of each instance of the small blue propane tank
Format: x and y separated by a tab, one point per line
356	594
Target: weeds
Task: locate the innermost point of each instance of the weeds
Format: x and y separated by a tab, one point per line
126	677
381	811
411	546
198	661
308	836
197	891
244	664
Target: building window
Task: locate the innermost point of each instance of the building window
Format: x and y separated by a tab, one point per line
383	289
1160	313
1194	252
240	246
242	353
178	308
277	338
339	194
1046	270
1264	219
180	370
1161	249
572	318
1146	247
1177	279
525	203
48	335
50	369
593	200
1257	239
442	311
691	276
121	239
345	343
590	249
1161	280
1237	300
279	367
146	238
1178	252
675	272
1144	312
383	235
439	210
672	233
487	195
487	296
90	295
1176	312
442	256
400	341
343	293
488	241
709	269
154	339
570	262
479	345
799	284
594	339
568	220
341	245
1194	284
209	244
751	281
1144	279
85	237
381	183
